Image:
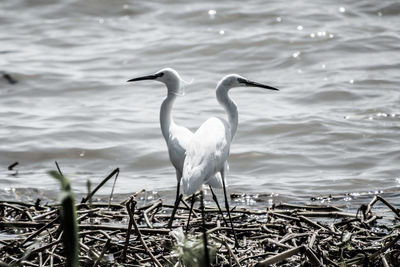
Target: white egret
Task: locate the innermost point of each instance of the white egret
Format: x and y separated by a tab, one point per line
177	137
208	150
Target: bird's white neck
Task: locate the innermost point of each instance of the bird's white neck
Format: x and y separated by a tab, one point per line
229	105
166	119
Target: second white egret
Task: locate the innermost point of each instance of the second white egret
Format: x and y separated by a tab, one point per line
208	150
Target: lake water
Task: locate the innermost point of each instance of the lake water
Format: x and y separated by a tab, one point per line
332	129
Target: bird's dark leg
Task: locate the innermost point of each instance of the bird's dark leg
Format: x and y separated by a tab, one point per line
227	208
177	200
219	207
206	253
190	211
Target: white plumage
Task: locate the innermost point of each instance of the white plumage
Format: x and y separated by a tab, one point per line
205	154
209	147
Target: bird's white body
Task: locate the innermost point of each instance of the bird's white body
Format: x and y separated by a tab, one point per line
208	150
206	155
178	139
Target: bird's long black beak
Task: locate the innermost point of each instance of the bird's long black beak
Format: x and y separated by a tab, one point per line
256	84
147	77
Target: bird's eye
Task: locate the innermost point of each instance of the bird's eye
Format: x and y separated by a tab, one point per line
160	74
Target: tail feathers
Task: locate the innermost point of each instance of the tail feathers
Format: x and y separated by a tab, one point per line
191	180
216	181
192	183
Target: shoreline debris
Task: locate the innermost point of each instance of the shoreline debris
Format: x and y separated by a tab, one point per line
284	235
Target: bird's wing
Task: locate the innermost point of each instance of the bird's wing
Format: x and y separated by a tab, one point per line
178	141
206	153
181	134
216	181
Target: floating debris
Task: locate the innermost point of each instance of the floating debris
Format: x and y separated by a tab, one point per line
8	77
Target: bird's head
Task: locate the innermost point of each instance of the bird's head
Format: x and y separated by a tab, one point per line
235	80
169	77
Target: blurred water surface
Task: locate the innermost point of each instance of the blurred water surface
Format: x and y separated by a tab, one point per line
332	129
